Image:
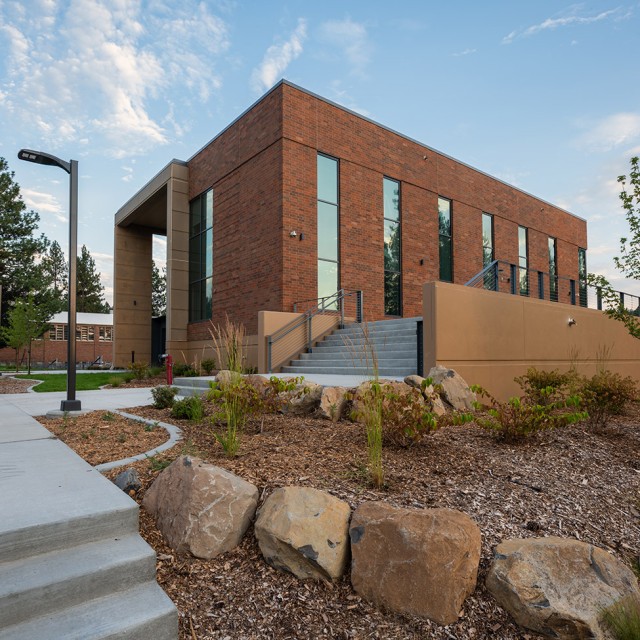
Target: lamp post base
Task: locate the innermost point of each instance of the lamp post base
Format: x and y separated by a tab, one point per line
70	405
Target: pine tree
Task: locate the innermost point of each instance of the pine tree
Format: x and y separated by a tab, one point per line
89	289
19	245
158	291
55	271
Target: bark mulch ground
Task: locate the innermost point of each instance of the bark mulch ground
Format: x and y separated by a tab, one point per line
571	482
13	385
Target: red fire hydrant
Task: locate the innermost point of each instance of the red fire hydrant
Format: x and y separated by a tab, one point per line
169	365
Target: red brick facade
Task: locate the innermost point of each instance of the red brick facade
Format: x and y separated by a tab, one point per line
45	351
263	171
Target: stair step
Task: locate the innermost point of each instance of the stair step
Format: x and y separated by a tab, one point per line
342	334
348	371
64	578
327	354
56	500
139	613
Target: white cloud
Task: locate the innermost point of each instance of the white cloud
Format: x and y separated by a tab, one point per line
98	70
551	24
613	131
43	203
466	52
278	57
351	39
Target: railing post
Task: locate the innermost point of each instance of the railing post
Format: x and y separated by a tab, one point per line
599	299
309	340
269	354
572	284
622	300
496	276
341	301
359	307
420	354
513	278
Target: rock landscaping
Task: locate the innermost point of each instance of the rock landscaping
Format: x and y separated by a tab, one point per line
429	555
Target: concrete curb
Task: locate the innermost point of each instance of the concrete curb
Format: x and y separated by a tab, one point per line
175	435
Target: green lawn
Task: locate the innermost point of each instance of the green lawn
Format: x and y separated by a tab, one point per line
84	381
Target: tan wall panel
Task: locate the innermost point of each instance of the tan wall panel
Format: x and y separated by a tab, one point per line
490	338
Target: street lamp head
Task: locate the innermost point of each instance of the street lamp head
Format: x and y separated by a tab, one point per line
39	157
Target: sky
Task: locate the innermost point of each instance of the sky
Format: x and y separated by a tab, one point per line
544	95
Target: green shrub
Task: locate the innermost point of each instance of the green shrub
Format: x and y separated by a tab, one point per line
623	618
140	370
235	402
128	377
191	408
605	395
370	412
405	418
107	416
544	387
158	464
518	418
184	370
277	393
163	397
115	381
156	371
208	365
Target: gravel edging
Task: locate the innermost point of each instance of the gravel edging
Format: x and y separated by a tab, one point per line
175	435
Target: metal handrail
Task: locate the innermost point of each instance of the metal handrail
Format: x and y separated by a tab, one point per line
307	318
529	282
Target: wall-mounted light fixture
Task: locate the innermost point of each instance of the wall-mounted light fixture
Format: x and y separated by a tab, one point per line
571	322
293	234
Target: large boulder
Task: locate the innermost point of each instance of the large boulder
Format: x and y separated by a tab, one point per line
432	398
303	400
200	508
333	403
454	389
304	531
418	562
556	586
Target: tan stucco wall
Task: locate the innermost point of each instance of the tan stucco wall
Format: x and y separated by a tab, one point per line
489	338
196	351
295	343
132	295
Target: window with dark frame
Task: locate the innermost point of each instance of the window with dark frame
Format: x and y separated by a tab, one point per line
553	269
392	248
201	257
523	260
582	277
445	239
328	226
487	249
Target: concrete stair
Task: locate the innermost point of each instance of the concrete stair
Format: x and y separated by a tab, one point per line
349	351
192	386
72	564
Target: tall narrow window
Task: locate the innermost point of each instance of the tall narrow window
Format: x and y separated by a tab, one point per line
487	249
201	257
392	259
553	269
582	277
523	261
327	226
446	243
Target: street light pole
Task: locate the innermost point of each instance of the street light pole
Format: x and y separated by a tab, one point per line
71	167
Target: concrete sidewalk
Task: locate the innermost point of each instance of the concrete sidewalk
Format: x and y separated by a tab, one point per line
39	404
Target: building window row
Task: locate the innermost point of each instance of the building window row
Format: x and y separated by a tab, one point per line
201	257
84	333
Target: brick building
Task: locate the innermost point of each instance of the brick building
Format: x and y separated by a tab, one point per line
94	340
372	210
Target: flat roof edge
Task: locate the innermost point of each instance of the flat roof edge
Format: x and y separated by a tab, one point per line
147	190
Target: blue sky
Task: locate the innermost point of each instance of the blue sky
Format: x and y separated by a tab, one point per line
544	95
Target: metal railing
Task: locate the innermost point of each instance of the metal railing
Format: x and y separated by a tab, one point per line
302	327
506	277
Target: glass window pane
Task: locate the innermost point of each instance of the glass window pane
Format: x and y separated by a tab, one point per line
446	272
327	179
195	305
522	246
487	230
391	194
208	210
487	256
207	298
327	278
392	294
444	216
207	252
194	259
391	246
327	231
195	216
